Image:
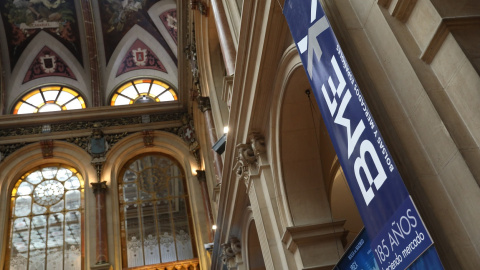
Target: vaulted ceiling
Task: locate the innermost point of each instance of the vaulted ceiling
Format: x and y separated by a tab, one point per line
91	46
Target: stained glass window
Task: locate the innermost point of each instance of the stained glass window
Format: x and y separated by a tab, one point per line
143	91
46	220
49	99
154	211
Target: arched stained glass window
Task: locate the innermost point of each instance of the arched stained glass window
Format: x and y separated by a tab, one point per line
49	99
154	210
46	220
143	91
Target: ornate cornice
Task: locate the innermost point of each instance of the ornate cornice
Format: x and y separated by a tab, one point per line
79	125
119	128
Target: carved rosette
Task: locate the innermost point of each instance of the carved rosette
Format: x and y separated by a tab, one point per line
248	155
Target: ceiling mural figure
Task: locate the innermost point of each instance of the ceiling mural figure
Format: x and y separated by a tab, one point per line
119	16
169	19
48	63
140	56
24	19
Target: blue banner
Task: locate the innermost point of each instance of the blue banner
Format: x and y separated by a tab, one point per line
376	185
359	256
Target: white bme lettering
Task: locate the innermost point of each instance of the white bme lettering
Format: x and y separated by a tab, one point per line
339	119
313	32
332	106
360	163
310	43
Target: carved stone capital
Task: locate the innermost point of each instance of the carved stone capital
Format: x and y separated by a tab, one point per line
47	148
204	103
99	187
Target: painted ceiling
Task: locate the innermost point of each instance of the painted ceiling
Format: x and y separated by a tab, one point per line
91	46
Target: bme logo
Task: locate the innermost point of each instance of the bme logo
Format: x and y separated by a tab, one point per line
337	100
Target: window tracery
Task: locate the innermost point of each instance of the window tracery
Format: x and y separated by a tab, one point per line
49	99
143	91
154	212
46	218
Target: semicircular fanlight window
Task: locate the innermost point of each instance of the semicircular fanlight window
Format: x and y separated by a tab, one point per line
143	91
49	99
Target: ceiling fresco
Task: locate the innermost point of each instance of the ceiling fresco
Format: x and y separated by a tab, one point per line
119	16
24	19
100	26
48	63
169	19
140	56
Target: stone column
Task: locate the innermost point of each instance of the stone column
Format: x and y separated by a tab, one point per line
204	105
224	36
202	180
99	189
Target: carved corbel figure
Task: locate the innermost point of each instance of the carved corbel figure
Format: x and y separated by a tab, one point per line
246	155
258	143
227	253
235	245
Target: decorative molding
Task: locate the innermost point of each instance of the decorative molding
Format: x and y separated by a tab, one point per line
402	9
47	148
384	3
298	236
6	150
79	125
85	142
446	26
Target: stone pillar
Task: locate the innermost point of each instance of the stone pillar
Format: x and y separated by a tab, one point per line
99	189
224	36
204	105
202	180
